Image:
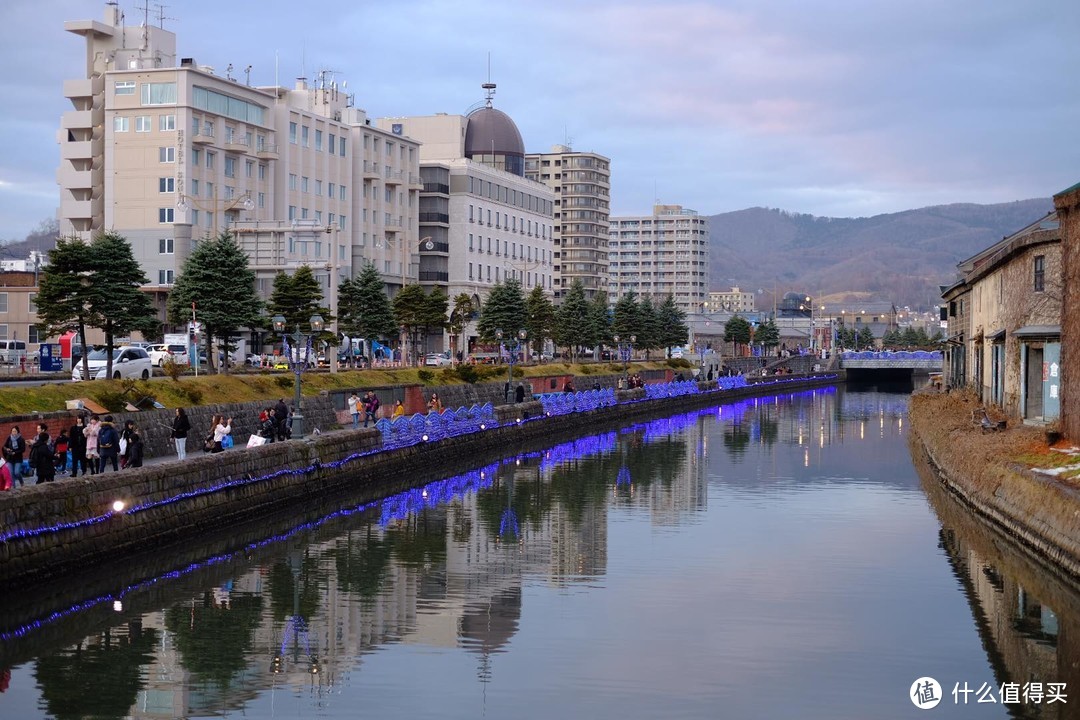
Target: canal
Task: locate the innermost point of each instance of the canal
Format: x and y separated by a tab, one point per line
776	557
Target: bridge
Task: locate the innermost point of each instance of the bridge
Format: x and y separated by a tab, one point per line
924	360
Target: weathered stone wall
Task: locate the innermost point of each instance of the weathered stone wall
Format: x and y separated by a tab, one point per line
208	491
1067	203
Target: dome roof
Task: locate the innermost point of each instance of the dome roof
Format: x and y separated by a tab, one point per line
491	132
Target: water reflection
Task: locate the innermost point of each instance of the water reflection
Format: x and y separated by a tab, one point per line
705	555
1027	616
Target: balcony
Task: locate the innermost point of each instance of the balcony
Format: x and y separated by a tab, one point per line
75	179
435	217
203	137
82	88
76	208
437	188
78	150
77	120
436	247
238	145
267	152
430	276
371	170
394	177
418	182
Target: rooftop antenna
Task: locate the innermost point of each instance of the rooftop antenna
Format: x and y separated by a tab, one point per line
161	15
247	74
489	87
228	72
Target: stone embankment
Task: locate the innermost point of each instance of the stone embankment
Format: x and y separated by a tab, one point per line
51	529
1010	476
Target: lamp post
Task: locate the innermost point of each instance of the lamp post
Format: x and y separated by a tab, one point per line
512	348
624	351
185	202
426	243
299	339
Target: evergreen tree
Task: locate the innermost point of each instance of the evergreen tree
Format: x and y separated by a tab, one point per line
737	331
437	305
649	336
216	278
64	292
572	327
600	319
504	309
116	300
540	322
673	329
459	318
626	321
767	335
412	312
364	310
866	338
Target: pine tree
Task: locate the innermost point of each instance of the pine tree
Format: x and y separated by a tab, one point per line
412	312
737	330
673	329
116	300
504	309
600	319
572	326
364	310
541	318
767	335
650	334
626	320
64	288
460	316
218	281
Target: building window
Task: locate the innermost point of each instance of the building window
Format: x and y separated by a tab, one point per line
341	188
166	123
210	160
341	147
262	200
292	212
332	146
142	123
318	139
165	215
159	93
121	124
31	303
230	166
330	191
167	154
33	335
303	184
1040	273
470	271
196	158
292	133
165	277
124	87
249	168
166	184
292	181
262	172
305	132
165	246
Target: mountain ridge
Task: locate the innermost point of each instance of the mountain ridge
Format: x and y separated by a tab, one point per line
903	257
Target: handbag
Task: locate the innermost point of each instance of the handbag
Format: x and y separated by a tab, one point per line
123	446
226	442
208	443
256	441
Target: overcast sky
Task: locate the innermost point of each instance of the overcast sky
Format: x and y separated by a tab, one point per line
832	108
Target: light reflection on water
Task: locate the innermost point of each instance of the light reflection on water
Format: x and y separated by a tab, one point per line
772	558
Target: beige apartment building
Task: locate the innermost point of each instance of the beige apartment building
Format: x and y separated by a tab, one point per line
666	253
734	300
166	151
581	182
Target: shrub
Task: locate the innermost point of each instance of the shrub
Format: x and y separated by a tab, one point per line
426	376
172	369
284	381
679	363
192	393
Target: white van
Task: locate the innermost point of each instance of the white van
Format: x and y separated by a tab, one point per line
12	352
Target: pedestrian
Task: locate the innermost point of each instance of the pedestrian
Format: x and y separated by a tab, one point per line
519	394
6	482
77	445
222	428
93	432
125	443
435	404
60	453
399	410
41	456
281	416
268	424
108	445
568	386
371	407
180	427
14	449
354	409
135	447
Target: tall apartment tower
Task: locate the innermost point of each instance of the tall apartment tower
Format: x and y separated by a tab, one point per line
167	152
666	253
581	182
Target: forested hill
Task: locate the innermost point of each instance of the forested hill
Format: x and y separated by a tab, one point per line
903	257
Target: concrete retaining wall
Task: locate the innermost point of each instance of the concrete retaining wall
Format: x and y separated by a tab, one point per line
208	491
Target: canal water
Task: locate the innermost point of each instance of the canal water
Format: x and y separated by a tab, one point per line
781	557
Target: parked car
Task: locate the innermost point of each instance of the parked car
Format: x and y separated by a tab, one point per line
438	359
161	352
127	362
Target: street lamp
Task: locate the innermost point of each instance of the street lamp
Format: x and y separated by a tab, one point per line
186	202
513	350
624	351
299	340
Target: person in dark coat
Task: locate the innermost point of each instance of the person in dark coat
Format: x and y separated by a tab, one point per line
108	445
126	435
519	394
41	456
77	445
14	451
281	418
181	426
135	447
